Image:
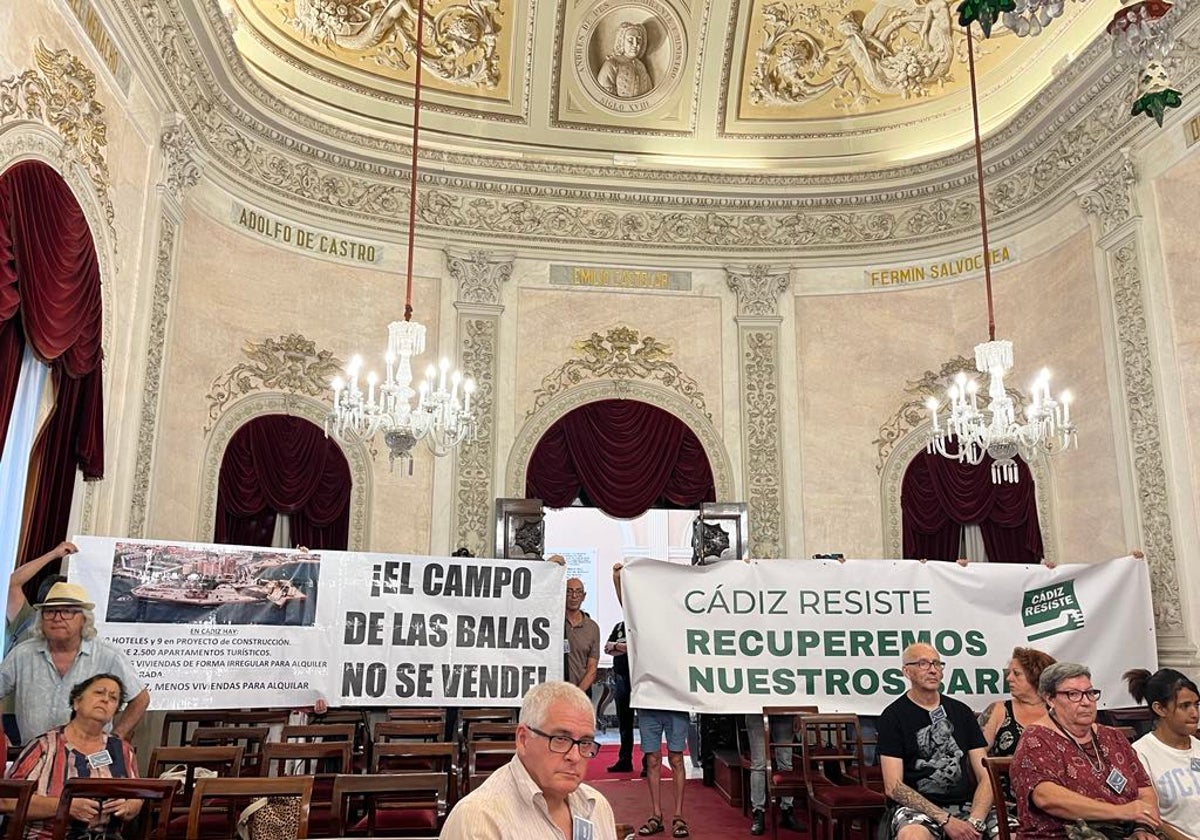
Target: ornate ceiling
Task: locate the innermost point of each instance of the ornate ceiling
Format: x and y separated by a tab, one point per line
836	85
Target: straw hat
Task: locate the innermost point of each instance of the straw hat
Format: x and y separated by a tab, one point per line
66	595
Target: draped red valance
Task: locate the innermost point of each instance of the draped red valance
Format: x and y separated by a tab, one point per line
50	298
622	456
277	464
938	496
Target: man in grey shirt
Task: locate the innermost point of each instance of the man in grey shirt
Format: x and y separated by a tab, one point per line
63	652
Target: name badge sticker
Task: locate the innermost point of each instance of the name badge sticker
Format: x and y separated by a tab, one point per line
566	645
938	715
1116	781
582	829
1196	765
99	759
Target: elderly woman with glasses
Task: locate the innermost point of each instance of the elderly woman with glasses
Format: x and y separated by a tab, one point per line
1069	768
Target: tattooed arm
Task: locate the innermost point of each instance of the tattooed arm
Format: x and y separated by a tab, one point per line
902	794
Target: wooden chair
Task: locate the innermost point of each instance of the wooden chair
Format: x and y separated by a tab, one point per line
395	805
998	774
468	716
387	731
186	721
360	719
428	715
252	740
781	783
327	757
414	757
231	796
17	793
258	717
224	761
487	731
324	761
483	759
319	732
157	796
831	744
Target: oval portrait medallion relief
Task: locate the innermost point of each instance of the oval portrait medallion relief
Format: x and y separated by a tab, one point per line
629	54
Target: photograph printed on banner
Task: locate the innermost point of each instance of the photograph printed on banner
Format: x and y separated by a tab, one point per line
171	584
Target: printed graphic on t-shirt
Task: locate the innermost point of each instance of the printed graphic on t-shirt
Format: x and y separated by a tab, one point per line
938	768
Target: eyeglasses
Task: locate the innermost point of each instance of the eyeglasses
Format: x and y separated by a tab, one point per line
562	743
926	664
62	615
1075	695
571	590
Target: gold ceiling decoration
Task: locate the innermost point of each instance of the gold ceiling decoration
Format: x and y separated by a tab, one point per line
463	47
848	57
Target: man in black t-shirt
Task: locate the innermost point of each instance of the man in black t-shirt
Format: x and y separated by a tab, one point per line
931	753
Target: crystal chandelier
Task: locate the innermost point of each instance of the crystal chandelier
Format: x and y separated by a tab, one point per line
442	415
970	432
1144	30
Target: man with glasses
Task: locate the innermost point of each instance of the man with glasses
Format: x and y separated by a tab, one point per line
540	794
63	652
581	637
931	753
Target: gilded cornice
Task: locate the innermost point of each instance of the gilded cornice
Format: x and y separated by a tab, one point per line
1036	160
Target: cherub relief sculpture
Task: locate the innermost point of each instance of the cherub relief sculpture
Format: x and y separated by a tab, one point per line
460	39
624	73
898	48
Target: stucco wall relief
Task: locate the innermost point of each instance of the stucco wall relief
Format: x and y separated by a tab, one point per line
629	55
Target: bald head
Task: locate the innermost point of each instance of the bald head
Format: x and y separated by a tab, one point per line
918	650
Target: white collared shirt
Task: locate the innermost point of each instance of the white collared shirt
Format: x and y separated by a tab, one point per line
510	806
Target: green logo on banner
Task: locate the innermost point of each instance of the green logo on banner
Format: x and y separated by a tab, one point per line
1050	610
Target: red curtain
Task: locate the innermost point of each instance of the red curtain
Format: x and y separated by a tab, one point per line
622	456
50	297
938	496
277	464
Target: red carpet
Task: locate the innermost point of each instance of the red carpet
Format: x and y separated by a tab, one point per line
598	766
709	818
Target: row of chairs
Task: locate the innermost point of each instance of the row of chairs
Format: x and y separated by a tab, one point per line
836	783
402	804
239	747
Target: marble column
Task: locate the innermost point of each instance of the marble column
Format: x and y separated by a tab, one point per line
181	171
1121	238
758	289
478	276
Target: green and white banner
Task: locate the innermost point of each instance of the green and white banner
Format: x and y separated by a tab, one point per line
734	637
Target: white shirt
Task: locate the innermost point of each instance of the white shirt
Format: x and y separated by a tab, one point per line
1175	782
510	806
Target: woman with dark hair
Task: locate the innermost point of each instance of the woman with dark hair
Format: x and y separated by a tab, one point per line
1171	753
1006	721
83	748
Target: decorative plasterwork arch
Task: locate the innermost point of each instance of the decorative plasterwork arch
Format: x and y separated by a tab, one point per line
905	447
563	402
247	408
50	114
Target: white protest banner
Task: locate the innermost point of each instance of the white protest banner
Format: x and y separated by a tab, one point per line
447	631
733	637
218	626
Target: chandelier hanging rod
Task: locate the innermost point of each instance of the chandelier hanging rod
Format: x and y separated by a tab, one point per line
983	225
412	177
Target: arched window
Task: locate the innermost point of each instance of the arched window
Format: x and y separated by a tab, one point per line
939	498
621	456
51	325
281	466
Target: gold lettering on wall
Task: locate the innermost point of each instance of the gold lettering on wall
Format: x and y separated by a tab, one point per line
97	33
618	277
302	238
950	268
